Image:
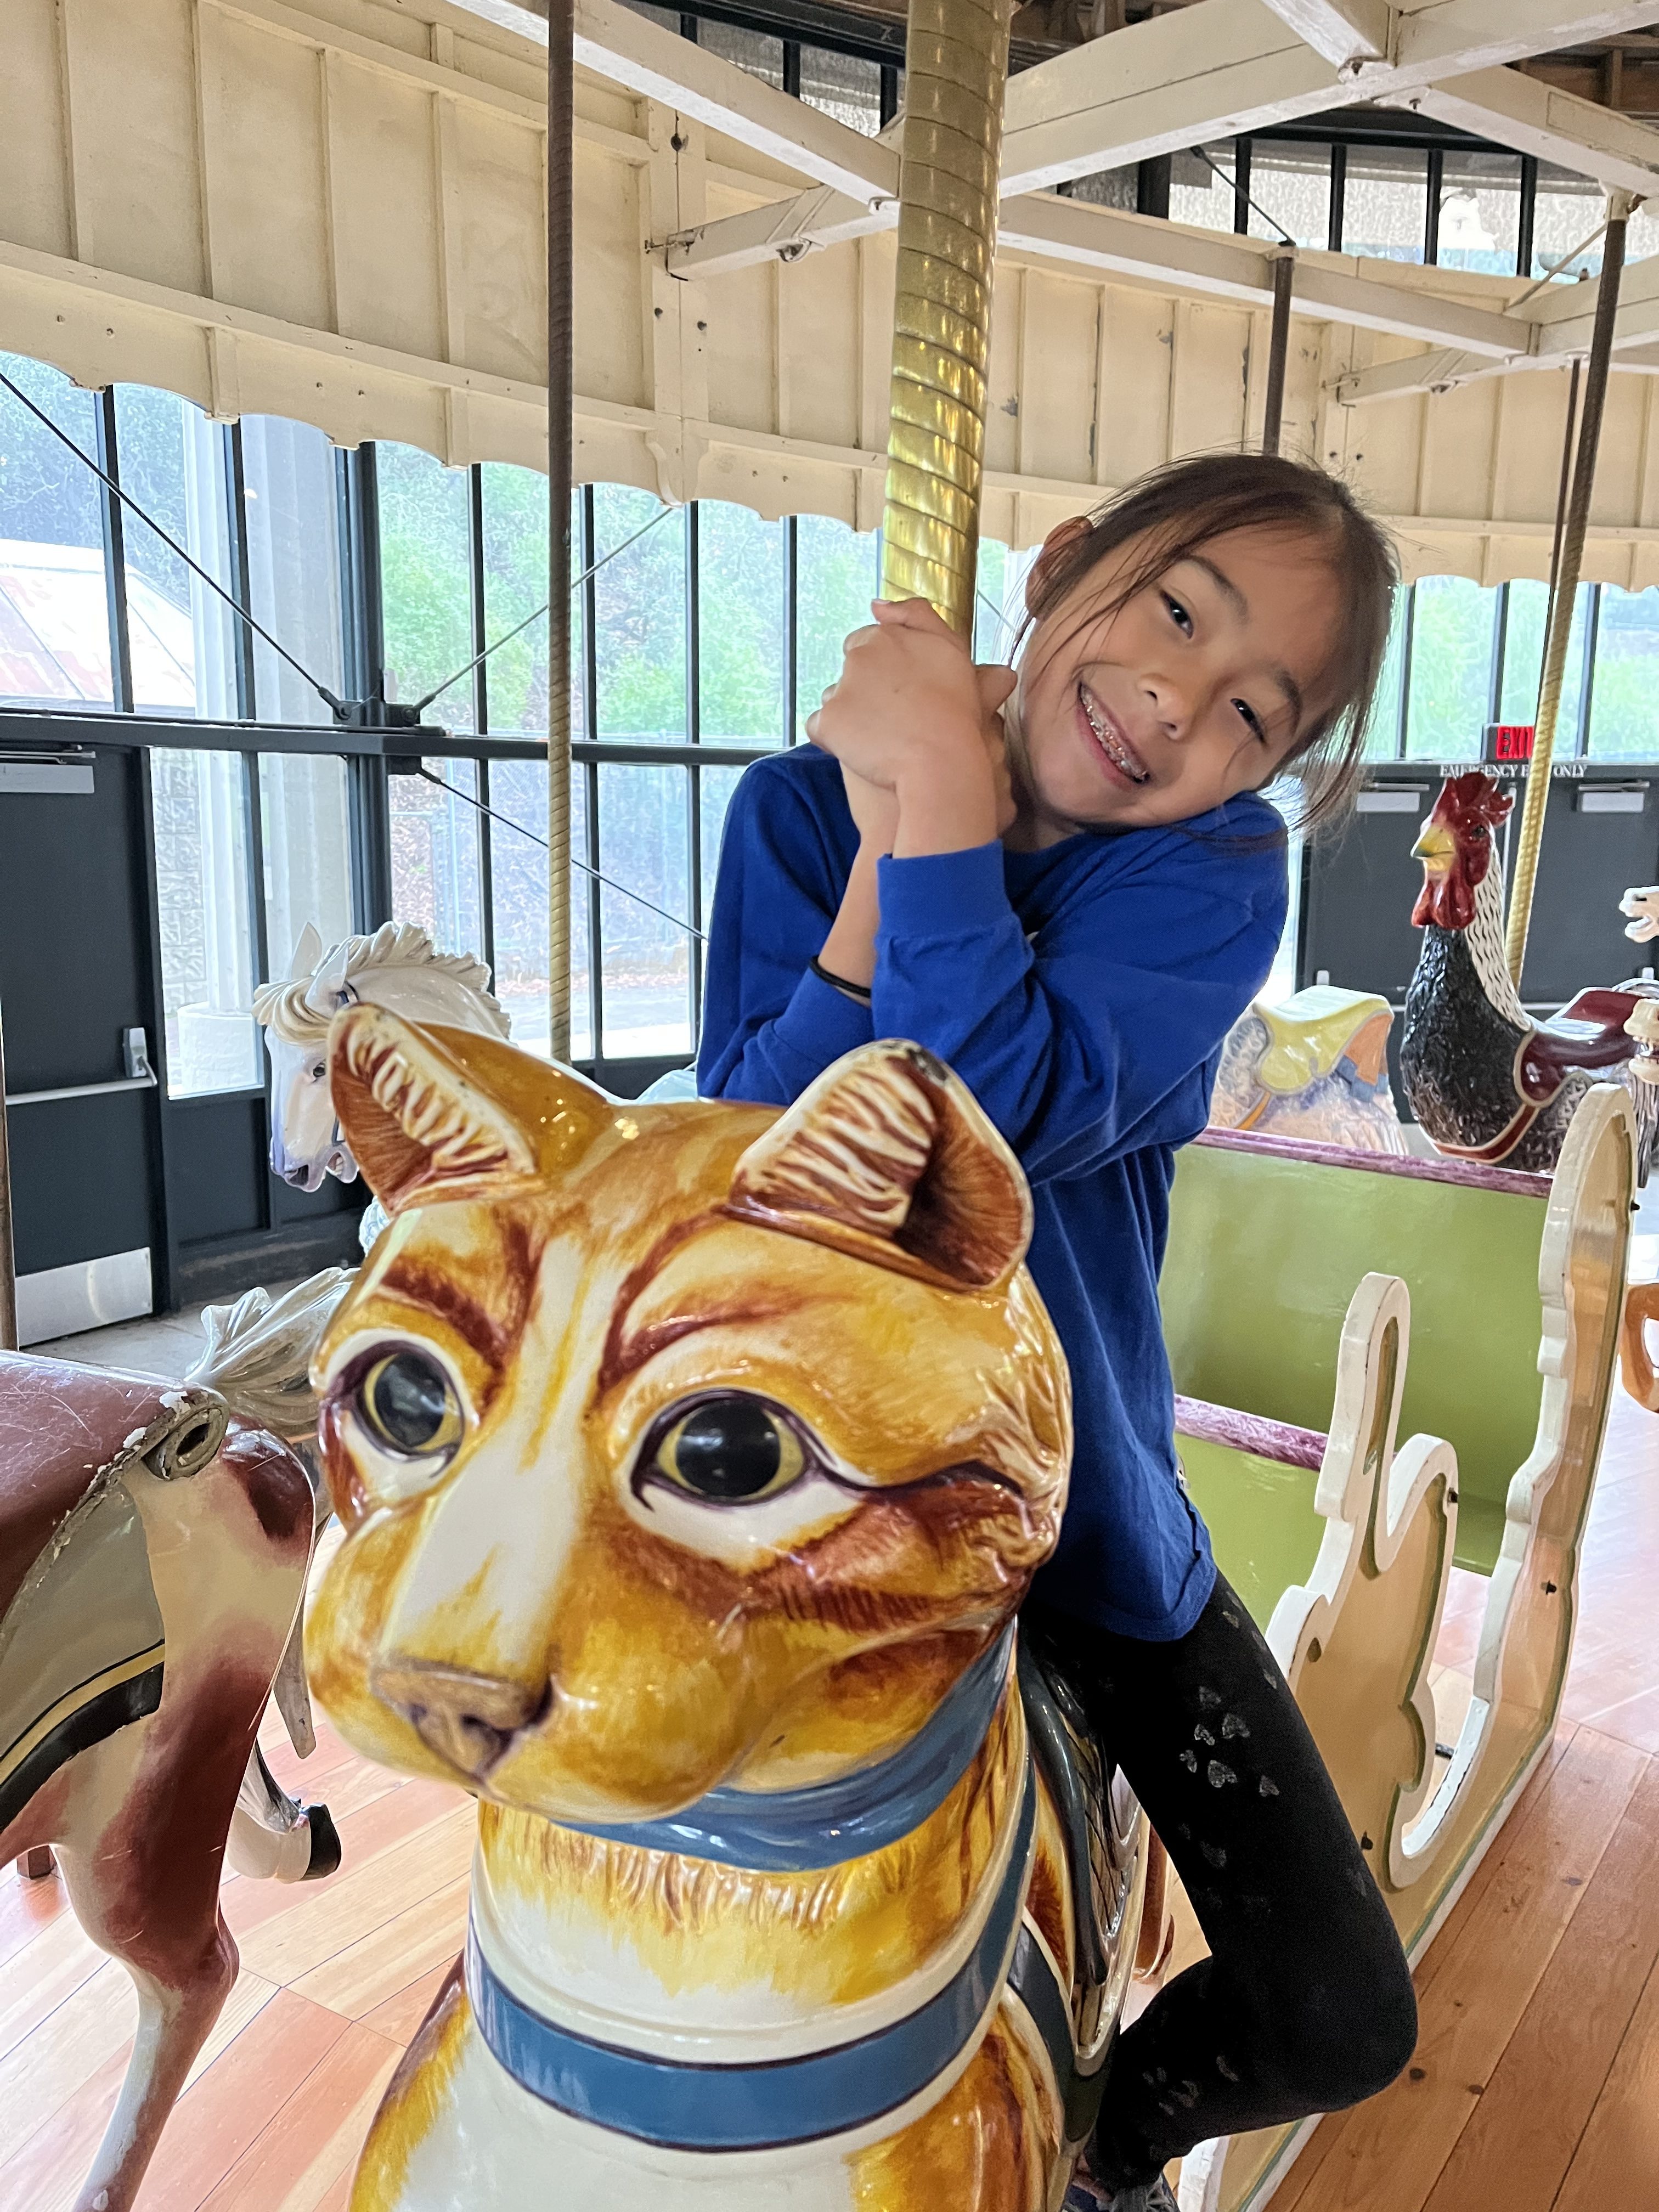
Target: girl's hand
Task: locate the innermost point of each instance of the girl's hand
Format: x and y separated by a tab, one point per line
909	690
874	811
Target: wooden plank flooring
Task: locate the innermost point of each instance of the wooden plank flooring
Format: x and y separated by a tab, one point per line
1535	2087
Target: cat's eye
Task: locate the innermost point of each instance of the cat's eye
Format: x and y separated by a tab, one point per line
730	1450
409	1405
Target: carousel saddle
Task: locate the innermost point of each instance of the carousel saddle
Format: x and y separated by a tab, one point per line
81	1643
1588	1034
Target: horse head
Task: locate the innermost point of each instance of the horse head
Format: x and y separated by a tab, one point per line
674	1445
398	966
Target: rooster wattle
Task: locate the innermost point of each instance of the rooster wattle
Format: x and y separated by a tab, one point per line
1484	1081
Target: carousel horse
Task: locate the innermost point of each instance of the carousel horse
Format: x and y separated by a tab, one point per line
1314	1067
153	1555
693	1460
398	967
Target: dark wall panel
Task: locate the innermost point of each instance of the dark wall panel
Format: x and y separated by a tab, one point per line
216	1167
72	930
80	1175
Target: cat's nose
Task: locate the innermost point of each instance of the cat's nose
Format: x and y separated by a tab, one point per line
468	1719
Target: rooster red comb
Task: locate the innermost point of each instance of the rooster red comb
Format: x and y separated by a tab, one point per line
1455	848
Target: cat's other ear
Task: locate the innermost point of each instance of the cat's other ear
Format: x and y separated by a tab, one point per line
432	1114
889	1156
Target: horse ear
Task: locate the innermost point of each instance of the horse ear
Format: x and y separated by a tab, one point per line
435	1114
306	953
889	1156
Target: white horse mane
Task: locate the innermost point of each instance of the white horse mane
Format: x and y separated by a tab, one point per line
290	1010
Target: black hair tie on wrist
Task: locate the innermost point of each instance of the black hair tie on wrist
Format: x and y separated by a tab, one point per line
858	993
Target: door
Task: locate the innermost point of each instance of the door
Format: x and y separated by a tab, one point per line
78	999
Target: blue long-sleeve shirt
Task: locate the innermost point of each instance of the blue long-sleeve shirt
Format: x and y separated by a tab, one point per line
1082	994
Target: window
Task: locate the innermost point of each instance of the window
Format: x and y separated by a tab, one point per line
426	569
751	50
180	633
290	504
844	86
517	791
640	611
1524	660
1385	202
1000	599
835	579
1624	721
644	969
305	838
1382	731
437	878
1479	211
1201	191
202	879
1453	636
1290	183
742	618
515	527
54	607
1567	209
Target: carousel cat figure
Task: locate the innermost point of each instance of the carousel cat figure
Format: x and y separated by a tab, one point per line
693	1460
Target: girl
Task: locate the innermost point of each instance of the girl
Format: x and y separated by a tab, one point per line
1070	902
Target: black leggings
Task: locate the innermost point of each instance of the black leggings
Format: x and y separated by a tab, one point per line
1305	2003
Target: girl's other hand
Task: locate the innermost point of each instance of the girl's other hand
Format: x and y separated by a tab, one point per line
874	810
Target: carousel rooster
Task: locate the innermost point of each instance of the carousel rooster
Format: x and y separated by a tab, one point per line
1484	1081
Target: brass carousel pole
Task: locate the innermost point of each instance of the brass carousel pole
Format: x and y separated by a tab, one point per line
956	65
561	136
1565	591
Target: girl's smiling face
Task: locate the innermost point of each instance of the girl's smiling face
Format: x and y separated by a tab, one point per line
1196	688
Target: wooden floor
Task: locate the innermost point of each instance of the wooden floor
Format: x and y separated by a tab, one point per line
1535	2083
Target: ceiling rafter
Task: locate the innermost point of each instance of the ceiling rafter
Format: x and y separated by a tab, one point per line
1218	69
1345	32
1538	118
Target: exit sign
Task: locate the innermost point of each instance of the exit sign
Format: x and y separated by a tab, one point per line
1509	741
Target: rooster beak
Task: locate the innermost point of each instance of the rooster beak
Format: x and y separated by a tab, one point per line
1436	848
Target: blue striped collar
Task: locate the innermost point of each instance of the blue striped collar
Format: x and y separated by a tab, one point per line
775	2103
806	1831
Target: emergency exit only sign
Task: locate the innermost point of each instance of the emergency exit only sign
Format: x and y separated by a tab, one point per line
1509	741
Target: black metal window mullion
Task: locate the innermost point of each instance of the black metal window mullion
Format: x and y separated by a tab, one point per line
1586	684
889	100
590	680
235	484
1500	639
115	553
486	873
694	720
791	67
791	626
1436	172
1523	244
1339	196
475	548
1242	185
368	797
1405	643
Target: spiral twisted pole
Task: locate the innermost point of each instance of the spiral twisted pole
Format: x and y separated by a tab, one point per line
955	66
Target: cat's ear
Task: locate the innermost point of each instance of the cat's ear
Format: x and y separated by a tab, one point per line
432	1114
890	1156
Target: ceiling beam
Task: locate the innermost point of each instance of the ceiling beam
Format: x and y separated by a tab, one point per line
643	58
1562	316
1436	370
1217	68
1346	31
1557	126
1217	265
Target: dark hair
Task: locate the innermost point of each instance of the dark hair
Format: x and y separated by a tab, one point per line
1181	508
